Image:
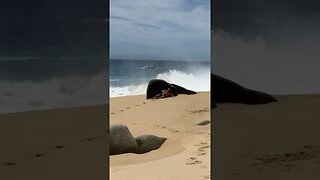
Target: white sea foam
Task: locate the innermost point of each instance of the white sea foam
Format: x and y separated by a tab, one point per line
196	81
75	90
67	91
128	90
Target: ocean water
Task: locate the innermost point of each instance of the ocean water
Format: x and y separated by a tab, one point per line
129	77
36	83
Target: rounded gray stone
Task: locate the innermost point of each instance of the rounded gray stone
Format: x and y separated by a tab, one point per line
203	123
147	143
121	140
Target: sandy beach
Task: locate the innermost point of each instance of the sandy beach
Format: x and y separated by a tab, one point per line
274	141
67	143
186	152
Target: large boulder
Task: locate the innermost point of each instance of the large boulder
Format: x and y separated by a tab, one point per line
226	91
155	86
121	140
149	142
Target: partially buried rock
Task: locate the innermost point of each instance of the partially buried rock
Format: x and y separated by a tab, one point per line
121	140
148	143
203	123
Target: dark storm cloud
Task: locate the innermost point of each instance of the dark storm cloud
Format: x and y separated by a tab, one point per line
271	46
262	18
53	27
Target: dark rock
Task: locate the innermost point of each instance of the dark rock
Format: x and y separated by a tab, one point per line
226	91
155	86
121	140
148	143
182	90
203	123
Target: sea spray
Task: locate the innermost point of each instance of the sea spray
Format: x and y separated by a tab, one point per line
197	81
56	92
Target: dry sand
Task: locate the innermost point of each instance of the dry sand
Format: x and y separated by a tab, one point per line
186	152
261	142
276	141
54	144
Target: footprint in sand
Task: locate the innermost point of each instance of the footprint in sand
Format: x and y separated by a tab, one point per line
204	147
281	160
35	156
9	164
203	123
112	113
164	127
161	127
173	131
307	147
201	151
57	147
206	109
193	161
202	144
88	139
127	107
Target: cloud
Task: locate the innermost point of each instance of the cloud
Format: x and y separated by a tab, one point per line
289	67
160	25
53	28
96	20
268	45
267	19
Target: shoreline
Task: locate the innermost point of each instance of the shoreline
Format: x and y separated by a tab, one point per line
144	94
53	109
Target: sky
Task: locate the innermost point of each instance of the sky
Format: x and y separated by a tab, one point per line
42	28
160	29
271	46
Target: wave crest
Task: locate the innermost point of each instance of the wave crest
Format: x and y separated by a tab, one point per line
196	81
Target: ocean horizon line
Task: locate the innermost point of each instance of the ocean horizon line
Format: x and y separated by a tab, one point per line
160	60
